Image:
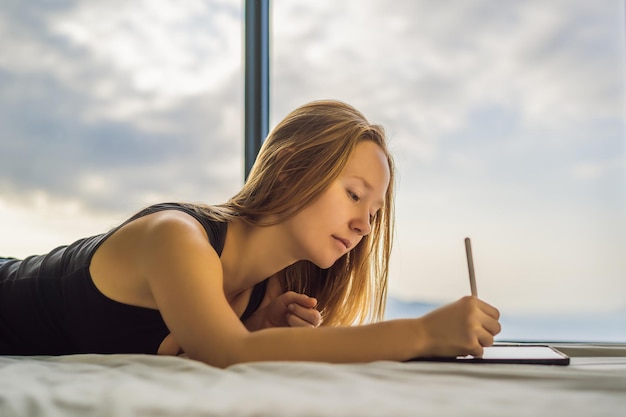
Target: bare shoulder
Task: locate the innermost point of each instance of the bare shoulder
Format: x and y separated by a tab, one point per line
163	230
171	225
173	237
123	264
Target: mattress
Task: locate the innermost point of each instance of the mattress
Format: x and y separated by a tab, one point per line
145	385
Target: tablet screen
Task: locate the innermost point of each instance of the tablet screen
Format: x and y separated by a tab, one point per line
521	352
518	354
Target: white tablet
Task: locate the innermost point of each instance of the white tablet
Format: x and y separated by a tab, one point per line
510	353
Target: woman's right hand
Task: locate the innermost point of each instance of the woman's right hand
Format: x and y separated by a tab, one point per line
291	309
461	328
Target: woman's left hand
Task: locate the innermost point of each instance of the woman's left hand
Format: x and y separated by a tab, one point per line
290	309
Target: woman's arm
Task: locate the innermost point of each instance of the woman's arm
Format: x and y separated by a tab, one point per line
460	328
185	277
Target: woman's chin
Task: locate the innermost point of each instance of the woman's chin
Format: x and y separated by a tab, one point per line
325	263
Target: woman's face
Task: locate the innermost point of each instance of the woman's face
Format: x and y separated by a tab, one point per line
337	220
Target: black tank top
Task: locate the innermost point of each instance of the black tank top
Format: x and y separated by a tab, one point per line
49	304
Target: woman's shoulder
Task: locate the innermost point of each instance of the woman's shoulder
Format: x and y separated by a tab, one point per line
158	228
157	240
166	243
160	207
214	225
170	225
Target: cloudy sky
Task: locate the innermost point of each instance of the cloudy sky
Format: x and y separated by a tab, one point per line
506	119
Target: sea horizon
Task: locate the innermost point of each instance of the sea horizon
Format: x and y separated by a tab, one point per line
546	327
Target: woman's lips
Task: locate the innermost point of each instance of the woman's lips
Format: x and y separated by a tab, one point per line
344	242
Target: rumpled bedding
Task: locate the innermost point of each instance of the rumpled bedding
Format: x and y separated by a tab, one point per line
156	386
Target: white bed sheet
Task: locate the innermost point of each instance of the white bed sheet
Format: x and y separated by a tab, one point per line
142	385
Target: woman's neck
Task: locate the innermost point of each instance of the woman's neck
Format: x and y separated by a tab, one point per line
252	254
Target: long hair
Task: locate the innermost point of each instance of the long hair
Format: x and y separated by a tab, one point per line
298	161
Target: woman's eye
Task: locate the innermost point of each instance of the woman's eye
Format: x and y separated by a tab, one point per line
353	196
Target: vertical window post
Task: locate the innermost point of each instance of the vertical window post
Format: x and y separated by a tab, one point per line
256	111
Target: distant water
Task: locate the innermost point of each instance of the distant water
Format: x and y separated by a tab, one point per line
609	328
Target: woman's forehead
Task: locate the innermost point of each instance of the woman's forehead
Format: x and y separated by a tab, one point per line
368	164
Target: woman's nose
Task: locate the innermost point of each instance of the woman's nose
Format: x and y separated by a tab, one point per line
361	224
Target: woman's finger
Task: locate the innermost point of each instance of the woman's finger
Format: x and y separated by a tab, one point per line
293	297
485	339
490	310
492	326
309	315
295	321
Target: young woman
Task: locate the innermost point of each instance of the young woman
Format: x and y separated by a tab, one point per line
285	270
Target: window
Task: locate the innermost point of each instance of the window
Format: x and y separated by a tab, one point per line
506	119
507	122
110	106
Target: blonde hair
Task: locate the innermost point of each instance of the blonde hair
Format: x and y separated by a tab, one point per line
298	161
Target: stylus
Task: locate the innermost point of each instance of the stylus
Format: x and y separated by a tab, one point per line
470	266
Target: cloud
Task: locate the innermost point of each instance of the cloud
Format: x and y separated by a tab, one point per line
168	51
423	67
109	86
521	89
592	170
109	99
